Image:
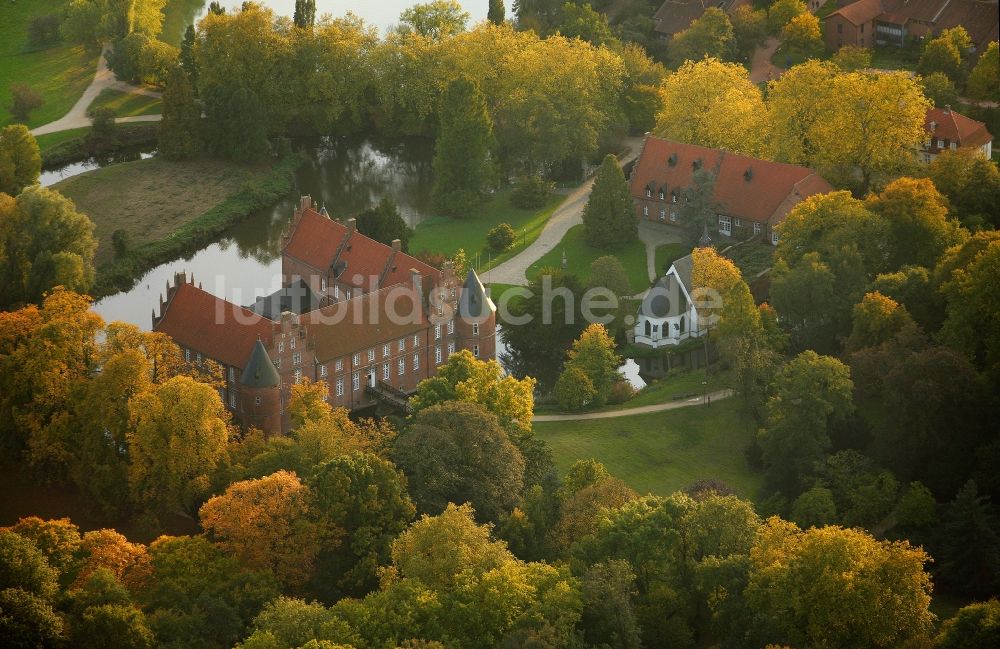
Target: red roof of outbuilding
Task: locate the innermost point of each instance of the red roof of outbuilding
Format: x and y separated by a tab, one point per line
962	130
766	194
218	329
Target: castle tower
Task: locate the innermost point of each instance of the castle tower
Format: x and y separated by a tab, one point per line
260	393
476	324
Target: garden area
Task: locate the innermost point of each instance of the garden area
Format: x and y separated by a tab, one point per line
127	104
579	256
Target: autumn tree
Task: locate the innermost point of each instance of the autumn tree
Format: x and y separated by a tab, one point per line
974	626
983	83
179	134
749	29
581	506
435	20
268	525
714	104
917	215
464	168
384	223
20	160
594	354
95	22
794	104
939	89
793	574
573	389
972	323
809	393
801	36
609	219
942	54
23	566
178	436
458	452
850	58
710	35
44	242
877	320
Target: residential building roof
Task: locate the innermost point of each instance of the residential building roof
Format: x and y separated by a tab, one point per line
474	304
677	15
665	299
979	17
745	187
223	331
260	371
946	124
860	12
296	298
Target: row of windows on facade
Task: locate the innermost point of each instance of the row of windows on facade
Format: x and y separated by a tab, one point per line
662	195
386	348
726	223
347	291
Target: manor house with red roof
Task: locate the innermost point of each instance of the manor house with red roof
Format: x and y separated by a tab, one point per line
367	318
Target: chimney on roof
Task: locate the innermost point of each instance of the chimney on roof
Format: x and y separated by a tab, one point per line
947	109
418	284
305	202
352	225
397	245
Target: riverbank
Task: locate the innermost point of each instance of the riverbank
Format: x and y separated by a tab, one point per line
65	147
166	209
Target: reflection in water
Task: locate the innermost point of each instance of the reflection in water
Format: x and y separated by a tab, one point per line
130	154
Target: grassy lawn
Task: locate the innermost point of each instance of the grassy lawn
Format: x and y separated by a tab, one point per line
59	74
667	254
150	199
51	140
126	104
446	235
579	257
662	452
890	57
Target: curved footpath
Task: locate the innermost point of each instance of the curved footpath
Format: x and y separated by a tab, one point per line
104	78
640	410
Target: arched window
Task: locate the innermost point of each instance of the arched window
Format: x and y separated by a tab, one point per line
649	328
683	325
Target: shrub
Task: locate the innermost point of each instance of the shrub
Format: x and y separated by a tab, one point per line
120	242
531	192
102	134
574	389
23	101
43	30
621	392
501	237
433	259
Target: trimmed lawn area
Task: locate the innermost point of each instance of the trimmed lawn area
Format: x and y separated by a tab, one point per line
127	104
667	254
662	452
446	235
579	256
151	199
51	140
58	74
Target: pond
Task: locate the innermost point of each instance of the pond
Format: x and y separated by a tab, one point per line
52	176
383	14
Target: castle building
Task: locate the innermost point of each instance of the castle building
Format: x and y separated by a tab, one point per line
366	318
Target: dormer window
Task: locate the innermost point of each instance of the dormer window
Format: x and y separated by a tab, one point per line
649	193
748	174
662	195
696	164
673	196
672	160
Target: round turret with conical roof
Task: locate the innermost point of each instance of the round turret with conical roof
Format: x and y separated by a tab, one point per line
260	392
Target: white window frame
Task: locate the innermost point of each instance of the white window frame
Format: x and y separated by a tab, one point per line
645	210
475	328
339	365
402	344
401	366
356	381
322	370
437	354
386	350
232	398
737	222
774	237
451	347
475	351
371	355
451	327
298	376
340	387
336	291
437	332
291	342
416	362
256	401
322	283
663	214
756	227
416	340
357	360
297	358
386	372
232	374
281	346
725	224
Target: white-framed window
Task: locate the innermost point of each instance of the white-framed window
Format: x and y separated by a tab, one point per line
340	387
437	354
357	360
437	332
296	358
645	210
336	291
385	371
475	328
277	363
451	347
385	350
232	375
339	365
416	340
197	358
232	398
673	216
774	237
281	346
737	222
451	327
256	401
402	344
416	362
356	381
401	366
453	292
291	342
756	228
663	214
673	196
475	351
347	294
322	370
649	193
322	284
298	376
661	195
371	355
725	224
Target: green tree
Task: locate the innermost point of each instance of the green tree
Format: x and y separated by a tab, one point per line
939	89
917	507
609	617
809	393
710	35
24	99
436	20
794	573
187	57
20	160
363	497
969	551
972	323
574	390
178	436
749	29
179	134
863	492
28	621
501	238
23	566
594	354
851	58
463	162
287	623
458	452
877	320
496	12
781	12
384	223
236	125
941	55
699	211
609	219
814	508
305	13
44	242
971	183
581	21
114	626
983	84
802	36
975	626
94	22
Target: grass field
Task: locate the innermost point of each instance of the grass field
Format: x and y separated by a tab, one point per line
446	235
150	199
51	140
667	254
59	74
579	256
662	452
126	104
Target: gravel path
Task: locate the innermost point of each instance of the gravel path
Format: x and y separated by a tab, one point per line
641	410
761	68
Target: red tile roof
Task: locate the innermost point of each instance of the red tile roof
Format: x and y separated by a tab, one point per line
980	18
771	191
675	16
860	12
315	239
962	130
220	330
